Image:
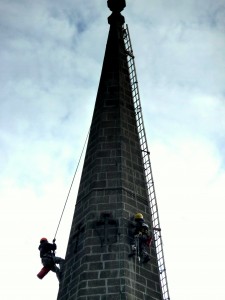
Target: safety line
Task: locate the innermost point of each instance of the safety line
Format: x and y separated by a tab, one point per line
71	184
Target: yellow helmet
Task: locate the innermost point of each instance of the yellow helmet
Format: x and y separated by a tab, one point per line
138	216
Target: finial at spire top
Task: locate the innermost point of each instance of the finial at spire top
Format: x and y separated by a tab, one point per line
116	5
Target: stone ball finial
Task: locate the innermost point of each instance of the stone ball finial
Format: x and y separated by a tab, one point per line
116	5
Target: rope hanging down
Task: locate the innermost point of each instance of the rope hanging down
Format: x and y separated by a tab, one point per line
71	185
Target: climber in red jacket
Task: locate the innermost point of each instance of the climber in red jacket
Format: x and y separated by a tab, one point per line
48	258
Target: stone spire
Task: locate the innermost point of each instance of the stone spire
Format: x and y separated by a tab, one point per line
112	189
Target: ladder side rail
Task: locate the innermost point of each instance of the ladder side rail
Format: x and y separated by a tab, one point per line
147	167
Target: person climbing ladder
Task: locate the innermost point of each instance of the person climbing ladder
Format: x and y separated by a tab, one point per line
141	239
48	259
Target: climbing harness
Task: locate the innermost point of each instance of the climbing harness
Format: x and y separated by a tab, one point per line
71	185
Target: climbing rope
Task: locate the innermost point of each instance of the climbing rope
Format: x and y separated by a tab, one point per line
71	185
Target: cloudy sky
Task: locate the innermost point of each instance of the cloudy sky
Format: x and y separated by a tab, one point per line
51	54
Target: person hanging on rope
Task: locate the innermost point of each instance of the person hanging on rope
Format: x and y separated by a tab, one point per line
48	258
141	239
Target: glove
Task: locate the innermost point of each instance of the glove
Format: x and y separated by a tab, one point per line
133	247
54	241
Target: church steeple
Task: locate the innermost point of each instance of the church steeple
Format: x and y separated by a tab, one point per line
112	189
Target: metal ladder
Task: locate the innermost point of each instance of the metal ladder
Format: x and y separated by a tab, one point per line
147	164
